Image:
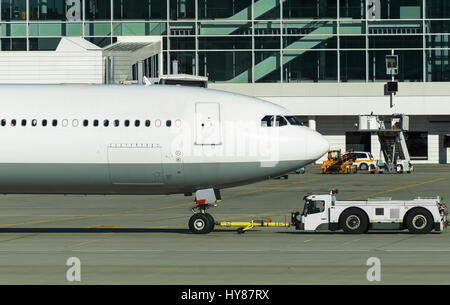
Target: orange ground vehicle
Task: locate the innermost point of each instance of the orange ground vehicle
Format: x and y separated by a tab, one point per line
339	163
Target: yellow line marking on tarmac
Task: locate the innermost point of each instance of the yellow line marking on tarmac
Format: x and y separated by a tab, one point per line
399	188
33	222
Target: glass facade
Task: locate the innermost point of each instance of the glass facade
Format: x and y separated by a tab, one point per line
253	41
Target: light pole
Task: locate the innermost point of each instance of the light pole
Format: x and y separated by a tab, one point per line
392	69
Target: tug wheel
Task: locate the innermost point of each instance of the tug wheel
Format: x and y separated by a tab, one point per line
354	221
419	221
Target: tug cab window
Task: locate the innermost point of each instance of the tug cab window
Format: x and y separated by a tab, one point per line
314	207
267	121
280	121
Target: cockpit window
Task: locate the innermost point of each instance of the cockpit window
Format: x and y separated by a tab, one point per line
267	121
280	121
293	120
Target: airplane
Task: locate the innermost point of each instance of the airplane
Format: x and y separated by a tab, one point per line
158	139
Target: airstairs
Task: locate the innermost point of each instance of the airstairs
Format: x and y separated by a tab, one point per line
393	148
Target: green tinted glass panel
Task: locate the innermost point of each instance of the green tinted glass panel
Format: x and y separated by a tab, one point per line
352	9
438	65
74	29
239	64
18	30
225	28
309	66
133	28
97	29
352	27
220	43
33	29
267	67
438	9
220	9
266	9
441	26
310	9
158	28
353	66
437	41
352	42
49	29
101	29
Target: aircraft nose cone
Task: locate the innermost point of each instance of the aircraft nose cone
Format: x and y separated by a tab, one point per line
317	147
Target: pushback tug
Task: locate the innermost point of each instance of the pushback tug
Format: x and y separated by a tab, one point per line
324	212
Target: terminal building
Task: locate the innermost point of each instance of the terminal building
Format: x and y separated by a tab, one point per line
325	60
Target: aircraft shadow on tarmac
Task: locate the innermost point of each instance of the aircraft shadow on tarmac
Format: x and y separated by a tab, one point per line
101	230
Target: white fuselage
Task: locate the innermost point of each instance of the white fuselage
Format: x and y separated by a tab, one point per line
187	139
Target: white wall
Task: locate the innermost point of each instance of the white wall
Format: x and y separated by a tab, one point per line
51	67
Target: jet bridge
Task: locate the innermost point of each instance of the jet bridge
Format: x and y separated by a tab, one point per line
393	148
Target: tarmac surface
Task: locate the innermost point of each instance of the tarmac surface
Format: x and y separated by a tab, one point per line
145	239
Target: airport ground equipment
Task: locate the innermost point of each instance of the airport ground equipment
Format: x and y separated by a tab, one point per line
324	212
247	225
393	148
338	163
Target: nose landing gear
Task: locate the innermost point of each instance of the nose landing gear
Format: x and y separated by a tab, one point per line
202	222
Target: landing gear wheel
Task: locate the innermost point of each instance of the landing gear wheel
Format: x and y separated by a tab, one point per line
201	223
211	219
354	221
399	169
419	221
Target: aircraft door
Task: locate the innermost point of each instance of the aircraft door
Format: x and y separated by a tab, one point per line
207	124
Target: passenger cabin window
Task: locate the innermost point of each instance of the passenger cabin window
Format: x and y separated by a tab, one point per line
106	123
147	123
55	123
116	123
3	122
267	121
34	122
168	123
24	122
293	120
44	122
85	123
137	123
95	123
127	123
280	121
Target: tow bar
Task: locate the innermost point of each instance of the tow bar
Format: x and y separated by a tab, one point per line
247	225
